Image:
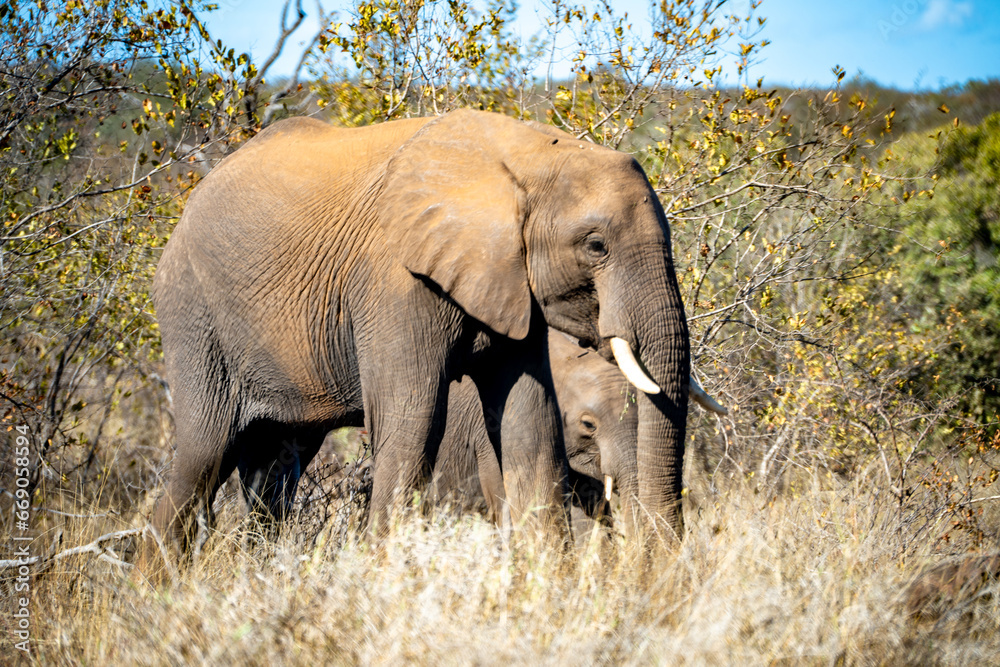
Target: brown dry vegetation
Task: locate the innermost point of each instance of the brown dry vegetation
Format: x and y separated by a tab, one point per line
830	572
817	577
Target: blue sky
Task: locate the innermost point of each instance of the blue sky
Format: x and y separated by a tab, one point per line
904	43
908	44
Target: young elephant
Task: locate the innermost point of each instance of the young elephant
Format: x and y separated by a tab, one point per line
600	427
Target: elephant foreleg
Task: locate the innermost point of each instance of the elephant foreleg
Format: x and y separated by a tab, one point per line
405	433
404	388
490	476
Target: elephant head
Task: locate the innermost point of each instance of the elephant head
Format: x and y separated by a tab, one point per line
600	425
504	215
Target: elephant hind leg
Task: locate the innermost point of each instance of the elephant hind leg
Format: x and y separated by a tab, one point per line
272	458
205	401
203	460
199	470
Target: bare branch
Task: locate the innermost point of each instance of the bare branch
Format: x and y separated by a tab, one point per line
279	45
97	547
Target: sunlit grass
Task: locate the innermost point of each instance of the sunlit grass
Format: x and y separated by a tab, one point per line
813	577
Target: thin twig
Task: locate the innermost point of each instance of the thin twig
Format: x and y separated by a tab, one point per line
979	500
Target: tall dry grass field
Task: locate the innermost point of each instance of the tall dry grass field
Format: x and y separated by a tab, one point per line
816	574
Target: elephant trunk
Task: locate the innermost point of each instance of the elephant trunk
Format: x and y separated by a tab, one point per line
626	483
663	424
661	347
660	461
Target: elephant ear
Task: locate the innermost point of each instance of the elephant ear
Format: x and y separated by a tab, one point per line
453	212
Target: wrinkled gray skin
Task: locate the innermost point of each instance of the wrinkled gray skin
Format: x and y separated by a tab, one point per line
324	277
600	425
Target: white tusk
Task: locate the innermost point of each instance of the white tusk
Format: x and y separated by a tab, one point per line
702	398
630	367
609	487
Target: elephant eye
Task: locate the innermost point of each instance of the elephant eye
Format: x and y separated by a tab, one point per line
595	246
588	424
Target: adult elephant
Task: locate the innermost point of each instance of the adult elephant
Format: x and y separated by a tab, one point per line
322	276
600	428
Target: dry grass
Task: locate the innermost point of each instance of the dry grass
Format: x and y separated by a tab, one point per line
816	577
